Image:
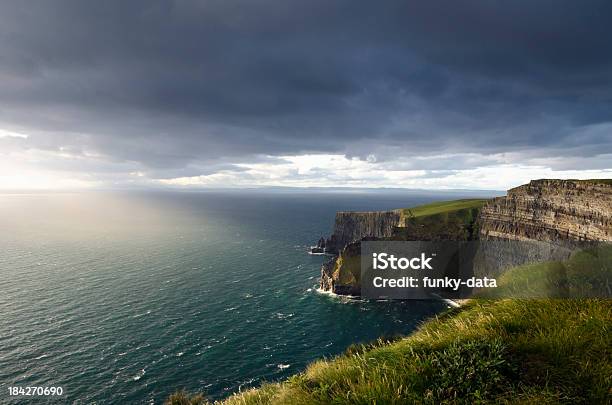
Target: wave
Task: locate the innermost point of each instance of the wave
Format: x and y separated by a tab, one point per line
320	254
139	375
343	299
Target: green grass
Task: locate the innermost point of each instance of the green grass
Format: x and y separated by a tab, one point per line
525	351
446	220
442	207
586	274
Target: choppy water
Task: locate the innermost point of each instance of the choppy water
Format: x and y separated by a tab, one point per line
125	298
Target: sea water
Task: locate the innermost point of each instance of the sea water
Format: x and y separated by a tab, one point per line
128	297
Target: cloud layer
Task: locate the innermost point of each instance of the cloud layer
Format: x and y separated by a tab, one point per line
150	92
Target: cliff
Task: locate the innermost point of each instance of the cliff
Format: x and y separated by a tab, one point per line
557	211
353	226
550	211
553	216
450	220
341	274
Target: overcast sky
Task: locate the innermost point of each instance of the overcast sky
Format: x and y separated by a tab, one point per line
430	94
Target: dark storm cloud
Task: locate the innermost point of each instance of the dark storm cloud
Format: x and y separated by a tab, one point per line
186	86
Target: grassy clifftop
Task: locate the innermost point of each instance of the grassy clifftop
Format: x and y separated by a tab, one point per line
443	207
446	220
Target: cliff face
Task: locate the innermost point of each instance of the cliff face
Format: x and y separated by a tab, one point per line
340	275
550	211
557	211
554	216
353	226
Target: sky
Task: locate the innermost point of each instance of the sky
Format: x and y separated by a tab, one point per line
201	94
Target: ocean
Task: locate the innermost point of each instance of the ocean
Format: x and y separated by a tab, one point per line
127	297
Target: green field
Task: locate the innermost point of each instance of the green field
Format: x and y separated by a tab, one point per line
446	220
442	207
